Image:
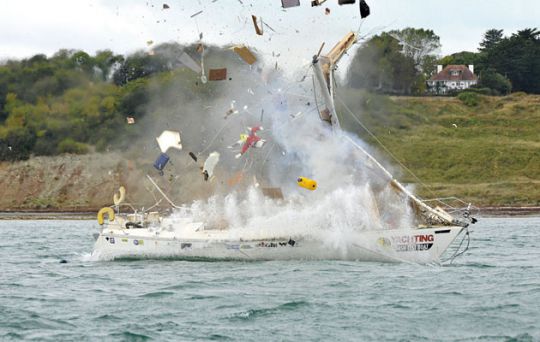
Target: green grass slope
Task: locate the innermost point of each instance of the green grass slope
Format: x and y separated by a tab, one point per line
486	151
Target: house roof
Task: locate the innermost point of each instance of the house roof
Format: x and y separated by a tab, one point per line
455	73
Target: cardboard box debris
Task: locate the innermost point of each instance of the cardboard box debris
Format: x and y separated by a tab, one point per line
274	193
245	54
217	74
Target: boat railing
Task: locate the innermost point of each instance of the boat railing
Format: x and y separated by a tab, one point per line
454	206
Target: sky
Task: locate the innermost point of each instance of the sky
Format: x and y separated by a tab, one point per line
290	39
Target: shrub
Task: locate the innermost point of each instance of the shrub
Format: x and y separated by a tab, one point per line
469	99
69	145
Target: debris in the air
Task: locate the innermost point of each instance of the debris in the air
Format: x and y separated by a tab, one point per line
327	11
196	14
193	156
169	139
165	6
161	162
209	165
364	9
290	3
346	2
455	126
190	62
119	198
307	183
274	193
231	110
252	140
258	29
250	91
200	48
265	24
217	74
294	116
130	120
149	42
317	2
245	54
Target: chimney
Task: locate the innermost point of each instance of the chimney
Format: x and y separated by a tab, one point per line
439	68
471	68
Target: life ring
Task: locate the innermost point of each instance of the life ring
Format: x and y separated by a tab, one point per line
119	199
307	183
107	210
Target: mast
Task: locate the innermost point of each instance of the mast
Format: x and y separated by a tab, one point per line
324	67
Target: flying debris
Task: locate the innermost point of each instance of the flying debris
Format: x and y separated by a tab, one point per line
196	14
274	193
169	139
258	29
130	120
165	6
217	74
186	60
327	11
251	140
317	2
119	198
231	110
364	9
199	48
193	156
209	165
290	3
245	54
346	2
149	42
161	162
307	183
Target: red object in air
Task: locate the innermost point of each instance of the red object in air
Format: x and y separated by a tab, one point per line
251	140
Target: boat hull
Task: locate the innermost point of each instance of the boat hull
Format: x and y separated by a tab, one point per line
424	245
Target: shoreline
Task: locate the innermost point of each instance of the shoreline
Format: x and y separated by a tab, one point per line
89	214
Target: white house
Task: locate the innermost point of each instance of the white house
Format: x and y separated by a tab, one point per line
452	77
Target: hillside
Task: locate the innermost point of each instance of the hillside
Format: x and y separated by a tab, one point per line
487	153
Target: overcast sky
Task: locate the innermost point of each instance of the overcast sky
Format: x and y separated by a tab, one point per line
38	26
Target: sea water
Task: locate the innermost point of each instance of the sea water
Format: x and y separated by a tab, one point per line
492	293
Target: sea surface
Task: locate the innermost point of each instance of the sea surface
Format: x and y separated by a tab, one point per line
492	293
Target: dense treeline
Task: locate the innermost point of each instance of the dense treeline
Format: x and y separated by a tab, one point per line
74	102
400	62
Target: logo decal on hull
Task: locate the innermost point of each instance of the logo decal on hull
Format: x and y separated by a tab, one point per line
408	243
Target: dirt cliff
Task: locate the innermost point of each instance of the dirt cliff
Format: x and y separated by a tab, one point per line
87	182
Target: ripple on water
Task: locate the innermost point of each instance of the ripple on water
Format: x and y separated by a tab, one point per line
130	336
488	294
253	314
157	294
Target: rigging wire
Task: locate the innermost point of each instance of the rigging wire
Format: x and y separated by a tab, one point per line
384	147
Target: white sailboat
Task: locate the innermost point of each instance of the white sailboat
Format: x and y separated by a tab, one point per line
150	235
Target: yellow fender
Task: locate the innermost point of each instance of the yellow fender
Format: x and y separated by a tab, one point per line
107	210
307	183
119	199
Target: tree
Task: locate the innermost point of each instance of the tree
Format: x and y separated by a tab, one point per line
491	39
518	58
491	79
421	45
379	65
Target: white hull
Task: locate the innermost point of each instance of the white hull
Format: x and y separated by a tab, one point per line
425	245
